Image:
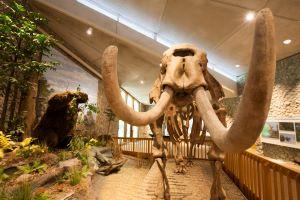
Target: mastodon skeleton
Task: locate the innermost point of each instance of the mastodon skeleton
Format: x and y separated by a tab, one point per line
184	79
178	121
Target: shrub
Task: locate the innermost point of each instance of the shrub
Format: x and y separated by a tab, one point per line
77	143
23	192
42	196
3	176
64	155
26	149
36	167
93	142
76	175
83	157
3	194
5	142
1	154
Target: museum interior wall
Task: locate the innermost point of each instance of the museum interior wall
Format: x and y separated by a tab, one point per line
70	75
285	104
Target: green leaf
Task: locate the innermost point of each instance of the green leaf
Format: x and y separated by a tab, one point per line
19	7
40	38
5	18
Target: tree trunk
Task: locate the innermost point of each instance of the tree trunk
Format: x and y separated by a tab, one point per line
13	108
28	103
8	90
5	104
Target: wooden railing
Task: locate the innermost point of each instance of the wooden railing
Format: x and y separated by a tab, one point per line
143	147
259	177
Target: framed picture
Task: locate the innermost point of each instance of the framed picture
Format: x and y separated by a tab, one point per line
270	130
297	127
288	138
286	126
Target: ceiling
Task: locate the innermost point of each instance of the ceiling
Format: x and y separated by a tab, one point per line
217	26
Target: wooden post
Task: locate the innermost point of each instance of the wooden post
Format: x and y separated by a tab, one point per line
266	177
149	147
133	144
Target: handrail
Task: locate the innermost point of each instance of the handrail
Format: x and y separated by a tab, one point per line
143	147
260	177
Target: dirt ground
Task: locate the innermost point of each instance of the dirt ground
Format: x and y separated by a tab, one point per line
134	181
122	185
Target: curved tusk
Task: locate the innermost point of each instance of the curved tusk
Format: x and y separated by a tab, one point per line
254	107
113	95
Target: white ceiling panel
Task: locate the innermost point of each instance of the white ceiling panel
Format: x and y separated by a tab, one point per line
217	26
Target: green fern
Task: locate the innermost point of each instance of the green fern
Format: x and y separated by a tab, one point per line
42	196
36	167
3	176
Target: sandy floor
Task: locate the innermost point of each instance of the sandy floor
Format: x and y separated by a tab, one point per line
135	182
121	185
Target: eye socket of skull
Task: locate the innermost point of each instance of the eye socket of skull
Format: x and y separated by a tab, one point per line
203	61
163	68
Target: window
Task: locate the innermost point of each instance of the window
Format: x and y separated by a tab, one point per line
123	94
131	131
121	128
128	130
136	105
135	131
129	101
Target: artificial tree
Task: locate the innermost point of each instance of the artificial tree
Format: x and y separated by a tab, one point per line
21	49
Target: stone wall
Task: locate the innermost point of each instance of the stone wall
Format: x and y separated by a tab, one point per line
285	101
279	152
286	93
231	105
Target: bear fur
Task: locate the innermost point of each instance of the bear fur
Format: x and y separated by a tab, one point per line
57	124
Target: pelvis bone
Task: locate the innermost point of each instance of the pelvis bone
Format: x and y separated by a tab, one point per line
184	78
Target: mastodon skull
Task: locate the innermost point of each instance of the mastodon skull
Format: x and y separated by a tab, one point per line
183	68
184	77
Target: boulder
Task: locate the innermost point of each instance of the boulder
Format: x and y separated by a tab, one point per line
70	164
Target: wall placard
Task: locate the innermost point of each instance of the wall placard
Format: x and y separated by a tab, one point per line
284	132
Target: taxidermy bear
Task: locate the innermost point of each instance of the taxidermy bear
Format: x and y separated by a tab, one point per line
57	124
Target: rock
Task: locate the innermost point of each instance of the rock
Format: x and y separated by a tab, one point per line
23	178
297	158
93	161
51	176
64	195
103	150
113	167
102	159
49	159
70	164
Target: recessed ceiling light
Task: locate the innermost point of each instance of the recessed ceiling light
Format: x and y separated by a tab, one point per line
250	16
237	65
287	41
89	31
142	82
